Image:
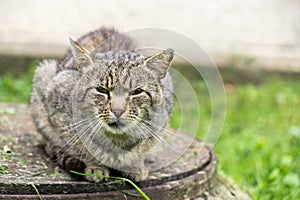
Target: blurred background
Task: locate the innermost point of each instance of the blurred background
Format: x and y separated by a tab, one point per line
255	44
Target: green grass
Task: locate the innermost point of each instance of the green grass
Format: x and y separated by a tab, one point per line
16	89
259	145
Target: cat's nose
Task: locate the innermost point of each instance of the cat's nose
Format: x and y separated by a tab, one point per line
118	112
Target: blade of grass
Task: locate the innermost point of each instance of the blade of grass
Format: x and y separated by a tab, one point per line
37	191
117	178
118	190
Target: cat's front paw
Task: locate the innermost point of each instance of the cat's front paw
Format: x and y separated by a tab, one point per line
99	173
136	176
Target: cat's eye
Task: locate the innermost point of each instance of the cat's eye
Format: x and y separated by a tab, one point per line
102	90
136	91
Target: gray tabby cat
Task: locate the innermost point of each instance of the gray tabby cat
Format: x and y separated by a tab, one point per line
103	105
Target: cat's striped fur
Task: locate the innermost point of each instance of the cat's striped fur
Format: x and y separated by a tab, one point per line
103	104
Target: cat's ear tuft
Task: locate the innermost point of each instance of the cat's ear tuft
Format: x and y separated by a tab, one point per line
81	55
160	63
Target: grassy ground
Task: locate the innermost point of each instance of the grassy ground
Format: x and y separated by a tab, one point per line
260	142
259	145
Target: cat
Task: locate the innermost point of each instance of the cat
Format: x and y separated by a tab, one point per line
103	104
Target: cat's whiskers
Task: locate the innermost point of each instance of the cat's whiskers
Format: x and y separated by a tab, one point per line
77	139
85	137
85	130
158	127
153	133
91	135
144	136
145	125
80	127
74	125
59	137
63	132
165	144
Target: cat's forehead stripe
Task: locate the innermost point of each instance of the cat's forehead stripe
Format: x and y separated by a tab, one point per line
120	58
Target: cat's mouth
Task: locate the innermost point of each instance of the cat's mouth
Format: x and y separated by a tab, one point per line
116	124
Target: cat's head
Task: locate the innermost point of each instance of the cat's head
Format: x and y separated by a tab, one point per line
122	89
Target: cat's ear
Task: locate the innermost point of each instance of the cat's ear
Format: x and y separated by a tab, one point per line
80	54
160	63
